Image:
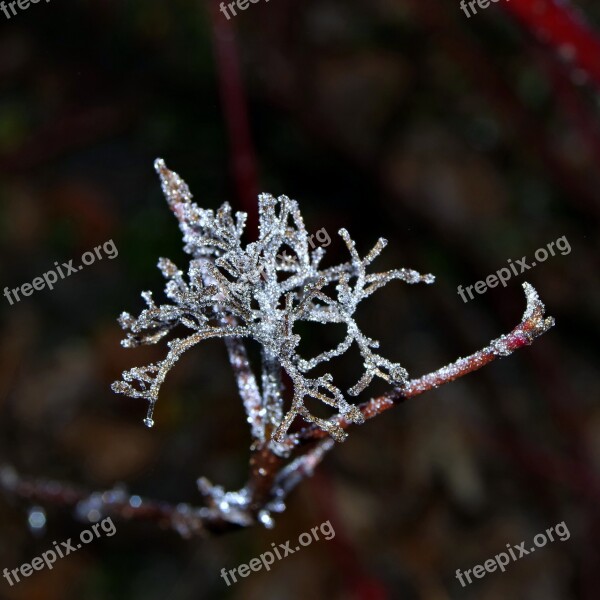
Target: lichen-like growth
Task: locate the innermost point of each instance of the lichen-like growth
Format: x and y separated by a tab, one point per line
260	291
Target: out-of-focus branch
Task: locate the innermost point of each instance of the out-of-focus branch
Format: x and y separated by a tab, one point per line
565	31
116	503
235	112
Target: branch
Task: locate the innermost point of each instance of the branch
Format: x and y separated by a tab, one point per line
186	520
247	386
533	325
231	88
564	29
270	479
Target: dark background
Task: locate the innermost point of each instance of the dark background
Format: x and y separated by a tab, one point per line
465	142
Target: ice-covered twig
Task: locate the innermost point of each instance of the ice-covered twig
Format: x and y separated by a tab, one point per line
247	386
532	325
89	506
256	291
271	479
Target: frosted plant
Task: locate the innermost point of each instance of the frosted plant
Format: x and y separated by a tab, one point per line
260	291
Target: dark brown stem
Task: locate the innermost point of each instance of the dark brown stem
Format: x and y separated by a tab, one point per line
264	467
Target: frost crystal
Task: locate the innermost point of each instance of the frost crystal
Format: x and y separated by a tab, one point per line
260	291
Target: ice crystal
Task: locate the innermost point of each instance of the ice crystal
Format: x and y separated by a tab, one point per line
260	291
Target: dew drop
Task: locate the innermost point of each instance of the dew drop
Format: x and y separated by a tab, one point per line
37	519
277	506
8	478
93	516
265	518
135	501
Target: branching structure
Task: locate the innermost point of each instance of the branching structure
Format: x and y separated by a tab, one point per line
261	291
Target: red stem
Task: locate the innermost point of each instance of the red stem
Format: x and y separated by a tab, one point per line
359	585
532	326
562	28
236	115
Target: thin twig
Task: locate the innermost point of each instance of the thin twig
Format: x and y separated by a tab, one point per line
532	326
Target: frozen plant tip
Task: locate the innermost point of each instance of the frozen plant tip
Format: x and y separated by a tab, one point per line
260	291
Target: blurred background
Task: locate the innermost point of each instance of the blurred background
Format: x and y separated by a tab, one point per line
464	141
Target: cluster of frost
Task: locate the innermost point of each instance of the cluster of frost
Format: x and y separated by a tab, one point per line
260	291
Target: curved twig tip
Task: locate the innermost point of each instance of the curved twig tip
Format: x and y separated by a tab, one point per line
534	323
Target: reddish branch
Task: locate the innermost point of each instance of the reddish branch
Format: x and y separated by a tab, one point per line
480	66
272	476
532	326
231	89
564	29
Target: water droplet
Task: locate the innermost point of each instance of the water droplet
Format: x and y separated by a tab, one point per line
265	518
37	519
148	422
116	495
8	478
93	516
135	501
277	506
90	508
